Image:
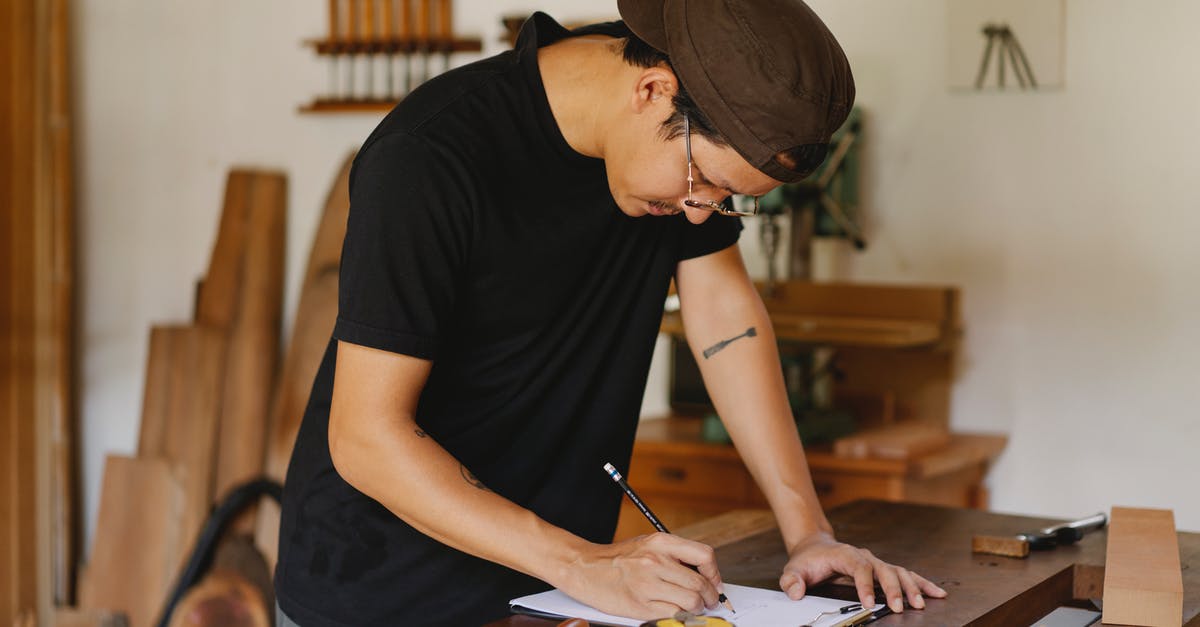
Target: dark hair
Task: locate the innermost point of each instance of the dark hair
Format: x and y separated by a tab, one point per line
641	54
802	159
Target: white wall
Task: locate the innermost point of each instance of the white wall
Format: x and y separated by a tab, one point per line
1064	216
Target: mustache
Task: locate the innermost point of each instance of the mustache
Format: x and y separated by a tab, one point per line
666	206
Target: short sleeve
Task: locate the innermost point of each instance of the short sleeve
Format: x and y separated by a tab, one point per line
716	233
407	241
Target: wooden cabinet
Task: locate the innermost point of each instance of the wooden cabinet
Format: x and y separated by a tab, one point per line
684	479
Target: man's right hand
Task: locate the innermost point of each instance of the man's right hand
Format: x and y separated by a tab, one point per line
645	577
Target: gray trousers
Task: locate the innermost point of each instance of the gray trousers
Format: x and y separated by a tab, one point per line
281	619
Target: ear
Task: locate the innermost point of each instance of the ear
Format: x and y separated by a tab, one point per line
655	87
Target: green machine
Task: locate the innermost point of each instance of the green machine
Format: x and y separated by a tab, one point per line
826	204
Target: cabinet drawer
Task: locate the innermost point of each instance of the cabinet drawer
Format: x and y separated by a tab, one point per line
836	489
705	478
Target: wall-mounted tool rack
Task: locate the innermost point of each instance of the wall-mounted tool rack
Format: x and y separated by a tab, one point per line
380	50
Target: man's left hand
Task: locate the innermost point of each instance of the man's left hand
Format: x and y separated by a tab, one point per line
820	556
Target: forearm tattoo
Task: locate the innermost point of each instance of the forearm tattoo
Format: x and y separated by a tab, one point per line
421	434
471	478
716	348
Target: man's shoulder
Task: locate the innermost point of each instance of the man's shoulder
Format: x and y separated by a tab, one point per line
469	87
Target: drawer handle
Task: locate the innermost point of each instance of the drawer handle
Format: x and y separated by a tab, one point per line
670	473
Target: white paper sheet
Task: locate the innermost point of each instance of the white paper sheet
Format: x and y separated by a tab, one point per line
755	607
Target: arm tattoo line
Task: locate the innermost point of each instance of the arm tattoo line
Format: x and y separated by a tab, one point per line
421	434
470	478
716	348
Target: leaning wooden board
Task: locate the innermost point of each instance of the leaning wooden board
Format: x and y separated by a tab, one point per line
180	414
254	305
315	316
138	542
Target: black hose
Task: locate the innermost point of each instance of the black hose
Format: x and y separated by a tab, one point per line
201	559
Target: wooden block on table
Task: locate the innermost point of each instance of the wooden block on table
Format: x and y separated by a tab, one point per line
997	545
138	545
905	440
1143	579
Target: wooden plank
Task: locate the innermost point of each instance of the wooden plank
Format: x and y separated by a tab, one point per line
964	450
156	396
865	301
58	218
138	538
906	440
216	304
313	324
729	527
252	358
35	308
196	373
1143	578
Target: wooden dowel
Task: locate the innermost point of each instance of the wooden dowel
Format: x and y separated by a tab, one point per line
335	21
354	14
445	21
404	31
368	30
389	19
423	15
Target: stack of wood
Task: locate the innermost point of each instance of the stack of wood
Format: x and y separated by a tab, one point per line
219	410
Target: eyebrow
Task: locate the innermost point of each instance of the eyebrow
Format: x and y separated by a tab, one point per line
720	184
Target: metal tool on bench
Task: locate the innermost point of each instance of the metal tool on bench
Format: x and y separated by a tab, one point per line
1043	539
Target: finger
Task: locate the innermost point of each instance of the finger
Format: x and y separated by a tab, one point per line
679	597
889	581
792	585
696	554
929	588
864	581
658	609
693	581
908	581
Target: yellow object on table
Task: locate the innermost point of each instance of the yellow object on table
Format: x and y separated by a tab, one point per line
687	619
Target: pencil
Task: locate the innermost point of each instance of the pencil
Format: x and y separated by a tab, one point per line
616	476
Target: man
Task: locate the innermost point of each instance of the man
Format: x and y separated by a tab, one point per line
514	226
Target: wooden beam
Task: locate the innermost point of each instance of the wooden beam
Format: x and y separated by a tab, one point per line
1143	579
37	514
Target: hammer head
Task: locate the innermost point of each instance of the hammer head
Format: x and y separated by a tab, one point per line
997	545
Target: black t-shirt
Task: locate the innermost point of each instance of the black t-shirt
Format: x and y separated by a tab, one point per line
479	240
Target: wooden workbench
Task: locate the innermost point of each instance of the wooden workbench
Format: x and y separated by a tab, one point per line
936	542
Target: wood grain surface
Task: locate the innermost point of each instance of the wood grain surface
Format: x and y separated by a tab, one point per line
936	542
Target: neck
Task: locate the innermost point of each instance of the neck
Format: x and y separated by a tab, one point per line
578	72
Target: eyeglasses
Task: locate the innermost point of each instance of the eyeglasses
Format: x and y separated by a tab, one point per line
735	205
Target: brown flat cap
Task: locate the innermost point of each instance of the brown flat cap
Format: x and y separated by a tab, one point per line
767	73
